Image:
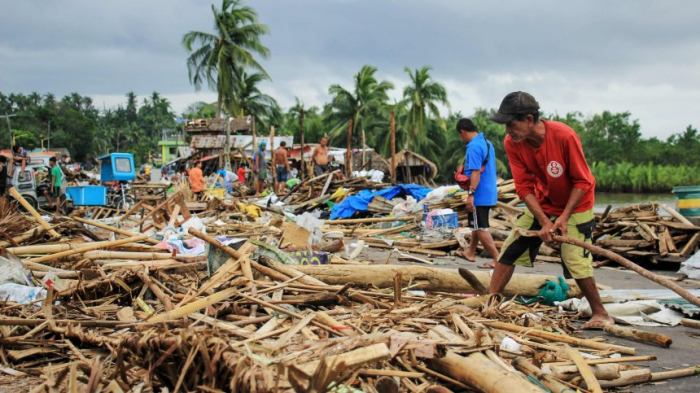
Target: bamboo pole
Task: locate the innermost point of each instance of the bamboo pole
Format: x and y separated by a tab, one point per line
368	220
639	335
683	372
89	248
628	377
15	194
559	337
523	365
272	155
228	250
348	154
676	215
164	299
624	262
393	146
584	369
482	374
193	307
302	170
690	323
111	228
605	372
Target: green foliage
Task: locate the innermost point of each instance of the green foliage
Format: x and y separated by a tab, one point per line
77	125
220	59
626	177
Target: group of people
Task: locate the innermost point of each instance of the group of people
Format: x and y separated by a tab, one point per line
50	187
284	173
554	181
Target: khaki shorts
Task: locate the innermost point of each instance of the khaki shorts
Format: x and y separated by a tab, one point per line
523	250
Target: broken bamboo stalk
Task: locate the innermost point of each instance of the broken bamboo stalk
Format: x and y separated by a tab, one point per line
15	194
484	375
676	215
639	335
187	309
584	369
111	228
559	337
89	248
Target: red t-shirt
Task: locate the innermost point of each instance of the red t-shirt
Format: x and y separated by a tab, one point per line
552	170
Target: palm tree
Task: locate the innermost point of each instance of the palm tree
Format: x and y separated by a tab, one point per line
249	100
236	39
362	105
422	96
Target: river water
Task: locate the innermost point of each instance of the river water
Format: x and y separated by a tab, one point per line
603	199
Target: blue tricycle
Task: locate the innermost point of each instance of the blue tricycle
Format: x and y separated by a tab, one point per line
117	170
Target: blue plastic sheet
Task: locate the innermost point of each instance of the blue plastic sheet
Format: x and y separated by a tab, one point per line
359	202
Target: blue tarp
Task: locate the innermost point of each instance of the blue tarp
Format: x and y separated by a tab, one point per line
359	202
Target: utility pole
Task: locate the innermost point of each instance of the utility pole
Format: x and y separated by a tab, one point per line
303	164
7	117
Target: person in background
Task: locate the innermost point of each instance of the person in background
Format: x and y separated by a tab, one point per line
282	167
20	156
260	168
482	195
552	177
56	183
3	175
320	157
228	176
197	179
241	174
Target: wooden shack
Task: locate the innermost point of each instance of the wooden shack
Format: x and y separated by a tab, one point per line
412	167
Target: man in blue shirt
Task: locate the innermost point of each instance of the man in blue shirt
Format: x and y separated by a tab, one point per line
480	166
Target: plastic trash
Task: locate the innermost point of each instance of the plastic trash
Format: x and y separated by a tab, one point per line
13	271
691	267
21	294
510	345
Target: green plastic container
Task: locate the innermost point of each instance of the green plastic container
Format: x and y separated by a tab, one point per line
688	200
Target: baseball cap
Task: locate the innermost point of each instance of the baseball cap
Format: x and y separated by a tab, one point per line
516	103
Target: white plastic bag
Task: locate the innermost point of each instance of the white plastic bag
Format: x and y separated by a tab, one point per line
21	294
691	267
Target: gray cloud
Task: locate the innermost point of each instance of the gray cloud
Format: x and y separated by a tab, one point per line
640	56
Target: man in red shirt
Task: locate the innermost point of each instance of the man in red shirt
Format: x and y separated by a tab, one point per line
553	179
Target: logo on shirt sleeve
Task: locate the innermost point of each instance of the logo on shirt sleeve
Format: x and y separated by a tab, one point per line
555	169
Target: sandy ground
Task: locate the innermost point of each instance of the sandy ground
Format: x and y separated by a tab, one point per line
684	352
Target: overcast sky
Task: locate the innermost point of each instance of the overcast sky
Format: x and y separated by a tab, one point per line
637	56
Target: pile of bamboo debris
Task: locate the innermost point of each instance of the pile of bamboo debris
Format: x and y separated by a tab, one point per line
639	232
126	315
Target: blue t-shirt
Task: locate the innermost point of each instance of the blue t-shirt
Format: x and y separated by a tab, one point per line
486	193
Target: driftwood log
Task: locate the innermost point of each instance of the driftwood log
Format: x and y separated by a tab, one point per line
425	278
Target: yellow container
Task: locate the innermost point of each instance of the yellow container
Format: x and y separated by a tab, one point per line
218	192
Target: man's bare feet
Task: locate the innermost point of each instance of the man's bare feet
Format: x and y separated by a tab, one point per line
598	321
460	253
469	257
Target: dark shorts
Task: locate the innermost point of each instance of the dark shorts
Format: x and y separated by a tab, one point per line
479	220
281	173
320	169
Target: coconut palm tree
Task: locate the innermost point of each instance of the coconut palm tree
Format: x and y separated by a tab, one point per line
422	96
249	100
361	105
236	39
